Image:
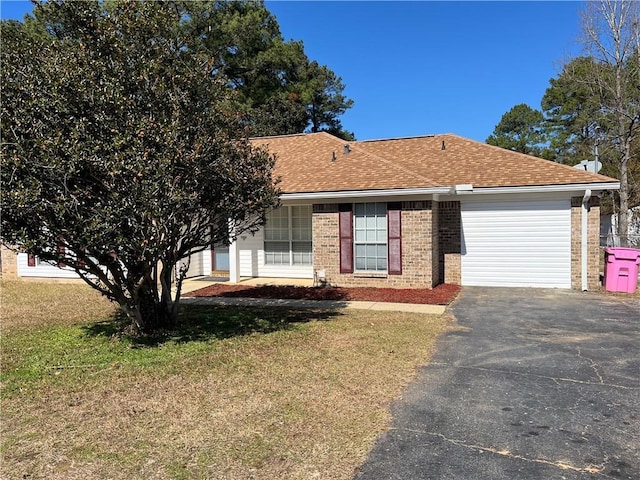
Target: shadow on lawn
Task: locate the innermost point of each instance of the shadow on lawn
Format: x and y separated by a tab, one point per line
207	322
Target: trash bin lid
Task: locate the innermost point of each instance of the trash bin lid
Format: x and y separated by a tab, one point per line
624	253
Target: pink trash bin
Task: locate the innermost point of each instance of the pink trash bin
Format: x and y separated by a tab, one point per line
621	269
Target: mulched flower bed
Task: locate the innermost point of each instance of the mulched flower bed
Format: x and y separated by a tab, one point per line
441	295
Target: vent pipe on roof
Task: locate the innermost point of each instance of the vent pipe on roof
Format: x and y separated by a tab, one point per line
444	147
346	149
333	156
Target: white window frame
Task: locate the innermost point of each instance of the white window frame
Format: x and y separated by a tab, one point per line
290	242
377	231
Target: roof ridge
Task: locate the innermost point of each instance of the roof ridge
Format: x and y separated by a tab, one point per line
303	134
387	139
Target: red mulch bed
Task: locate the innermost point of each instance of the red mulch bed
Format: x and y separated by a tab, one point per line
441	295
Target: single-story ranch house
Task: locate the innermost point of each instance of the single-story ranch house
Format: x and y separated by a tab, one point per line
414	212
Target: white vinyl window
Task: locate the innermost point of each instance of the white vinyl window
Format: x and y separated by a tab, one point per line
287	235
370	237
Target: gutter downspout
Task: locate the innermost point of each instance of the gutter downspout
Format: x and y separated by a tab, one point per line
584	239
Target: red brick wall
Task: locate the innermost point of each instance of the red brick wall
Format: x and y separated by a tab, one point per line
419	227
449	242
9	261
326	241
418	230
593	243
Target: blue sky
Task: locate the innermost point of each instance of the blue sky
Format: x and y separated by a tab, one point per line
415	68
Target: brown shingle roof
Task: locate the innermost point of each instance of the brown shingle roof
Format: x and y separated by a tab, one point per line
306	163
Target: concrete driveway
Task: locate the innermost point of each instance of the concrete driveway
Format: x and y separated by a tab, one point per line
531	384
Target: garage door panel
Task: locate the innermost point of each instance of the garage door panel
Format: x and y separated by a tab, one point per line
497	261
524	241
497	246
518	243
491	271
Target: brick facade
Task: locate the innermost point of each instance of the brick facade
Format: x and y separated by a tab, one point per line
326	241
419	226
419	233
432	246
450	243
9	260
593	244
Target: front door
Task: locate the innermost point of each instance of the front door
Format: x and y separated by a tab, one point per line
220	259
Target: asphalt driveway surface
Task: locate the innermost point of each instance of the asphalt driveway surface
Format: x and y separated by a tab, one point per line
530	383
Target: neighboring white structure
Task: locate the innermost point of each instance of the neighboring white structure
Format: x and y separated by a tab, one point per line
609	235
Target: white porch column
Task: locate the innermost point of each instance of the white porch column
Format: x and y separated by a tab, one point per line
234	262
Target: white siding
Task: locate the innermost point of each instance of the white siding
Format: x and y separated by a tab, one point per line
516	243
249	247
42	269
200	264
286	271
206	262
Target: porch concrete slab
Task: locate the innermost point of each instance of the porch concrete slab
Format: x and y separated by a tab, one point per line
398	307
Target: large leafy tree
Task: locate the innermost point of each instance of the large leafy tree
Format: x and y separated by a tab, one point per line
244	40
280	89
520	130
122	150
321	92
572	113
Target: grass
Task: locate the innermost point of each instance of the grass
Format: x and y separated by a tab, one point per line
234	393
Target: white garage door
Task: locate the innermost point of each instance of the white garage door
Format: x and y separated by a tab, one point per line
516	243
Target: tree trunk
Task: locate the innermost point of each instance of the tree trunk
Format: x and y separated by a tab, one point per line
623	214
154	313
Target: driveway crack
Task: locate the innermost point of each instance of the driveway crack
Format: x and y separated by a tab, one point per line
592	469
557	380
592	364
